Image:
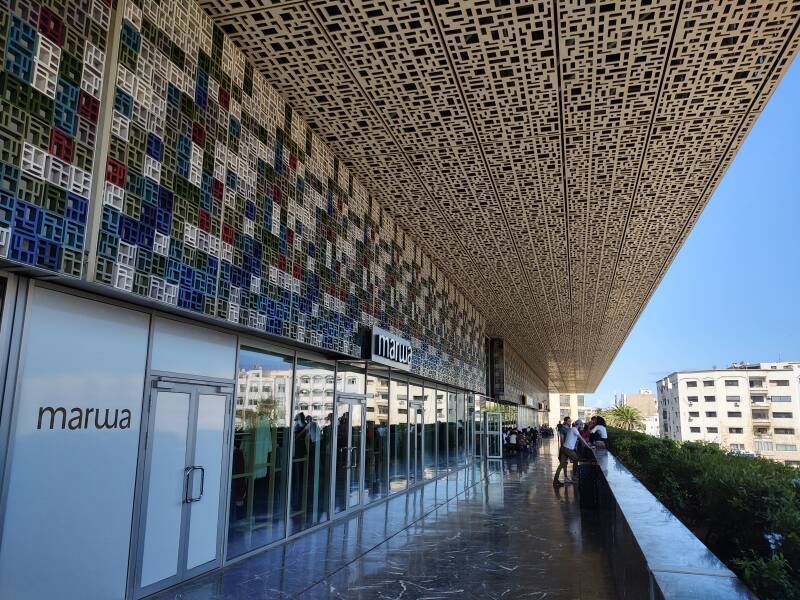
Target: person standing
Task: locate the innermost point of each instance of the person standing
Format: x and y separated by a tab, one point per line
568	450
599	434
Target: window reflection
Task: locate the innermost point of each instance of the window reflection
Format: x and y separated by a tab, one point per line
452	431
461	428
416	433
441	430
429	427
376	451
351	377
260	450
311	459
398	435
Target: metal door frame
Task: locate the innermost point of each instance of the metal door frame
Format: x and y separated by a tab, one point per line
419	435
488	416
194	387
349	399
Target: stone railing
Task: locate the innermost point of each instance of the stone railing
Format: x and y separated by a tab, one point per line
653	555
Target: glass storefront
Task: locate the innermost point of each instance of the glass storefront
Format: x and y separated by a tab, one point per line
398	434
429	467
259	470
441	431
314	438
376	441
452	431
312	445
247	443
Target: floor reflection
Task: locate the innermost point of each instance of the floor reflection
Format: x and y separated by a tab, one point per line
509	535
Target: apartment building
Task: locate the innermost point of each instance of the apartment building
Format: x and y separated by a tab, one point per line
568	405
647	405
748	407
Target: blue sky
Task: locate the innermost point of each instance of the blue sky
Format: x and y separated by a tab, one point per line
733	291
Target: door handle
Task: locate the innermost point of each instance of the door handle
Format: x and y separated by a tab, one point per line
188	474
353	458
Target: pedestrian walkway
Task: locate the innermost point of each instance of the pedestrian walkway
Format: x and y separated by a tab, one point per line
511	535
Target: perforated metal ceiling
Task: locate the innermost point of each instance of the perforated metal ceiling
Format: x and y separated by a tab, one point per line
551	156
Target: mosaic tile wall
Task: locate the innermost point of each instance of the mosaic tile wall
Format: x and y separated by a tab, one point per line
512	378
52	58
219	200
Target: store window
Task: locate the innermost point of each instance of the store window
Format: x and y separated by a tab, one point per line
376	441
261	441
416	432
351	377
429	442
461	428
441	430
398	435
311	457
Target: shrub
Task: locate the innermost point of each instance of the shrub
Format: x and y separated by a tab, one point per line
735	504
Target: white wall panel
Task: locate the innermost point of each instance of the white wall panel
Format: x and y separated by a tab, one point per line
182	348
73	450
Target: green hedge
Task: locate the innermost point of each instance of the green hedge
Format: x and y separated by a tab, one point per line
733	503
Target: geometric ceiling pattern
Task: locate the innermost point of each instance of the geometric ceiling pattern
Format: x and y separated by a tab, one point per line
551	156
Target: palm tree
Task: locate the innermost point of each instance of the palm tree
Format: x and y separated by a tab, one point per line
624	417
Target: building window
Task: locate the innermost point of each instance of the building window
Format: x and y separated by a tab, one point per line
694	413
735	414
711	413
734	430
792	463
784	430
257	469
692	398
708	383
712	429
736	447
756	383
764	445
733	398
709	398
731	383
782	415
694	429
779	382
691	384
760	414
786	447
781	398
758	398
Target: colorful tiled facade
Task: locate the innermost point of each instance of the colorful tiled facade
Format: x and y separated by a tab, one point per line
52	59
216	197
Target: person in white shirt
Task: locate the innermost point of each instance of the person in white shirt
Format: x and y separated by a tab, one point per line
599	436
568	451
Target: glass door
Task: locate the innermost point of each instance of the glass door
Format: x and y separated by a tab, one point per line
416	428
348	474
494	435
478	426
182	499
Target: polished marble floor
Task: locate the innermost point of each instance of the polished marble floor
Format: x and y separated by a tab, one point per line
508	535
